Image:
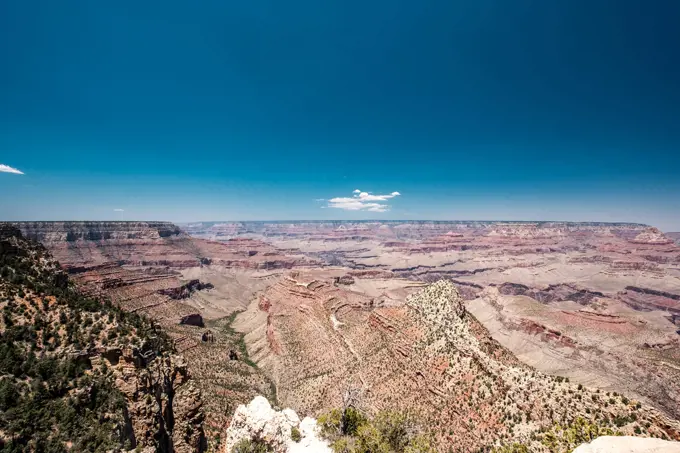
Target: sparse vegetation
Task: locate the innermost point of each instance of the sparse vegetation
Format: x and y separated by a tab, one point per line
251	446
295	434
388	432
52	397
564	438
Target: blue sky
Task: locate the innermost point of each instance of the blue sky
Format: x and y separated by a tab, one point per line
493	109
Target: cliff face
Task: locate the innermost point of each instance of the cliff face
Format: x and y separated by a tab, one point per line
153	269
96	231
81	246
82	375
164	407
94	243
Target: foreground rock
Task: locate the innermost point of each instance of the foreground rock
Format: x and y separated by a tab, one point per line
259	422
627	444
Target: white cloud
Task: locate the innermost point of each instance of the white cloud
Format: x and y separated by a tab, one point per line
119	210
8	169
362	201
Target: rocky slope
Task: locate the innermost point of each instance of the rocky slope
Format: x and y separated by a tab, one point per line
79	374
569	299
97	231
429	356
83	245
189	286
140	265
610	291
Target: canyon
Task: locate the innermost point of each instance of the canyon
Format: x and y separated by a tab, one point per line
82	375
490	330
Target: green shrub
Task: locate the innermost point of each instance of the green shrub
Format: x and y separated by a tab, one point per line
295	434
330	423
48	399
370	440
352	420
251	446
395	428
512	448
388	432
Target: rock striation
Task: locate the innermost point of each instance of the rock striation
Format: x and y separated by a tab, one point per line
652	236
82	373
430	356
258	422
94	243
327	308
138	265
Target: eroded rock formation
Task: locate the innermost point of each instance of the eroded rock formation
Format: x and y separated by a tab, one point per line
429	355
258	422
185	291
101	377
194	319
593	302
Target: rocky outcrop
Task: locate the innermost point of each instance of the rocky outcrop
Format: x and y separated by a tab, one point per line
651	236
258	422
553	293
628	444
653	292
647	299
185	291
194	319
163	406
344	280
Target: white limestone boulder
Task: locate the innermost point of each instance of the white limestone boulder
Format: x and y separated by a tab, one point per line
258	420
628	444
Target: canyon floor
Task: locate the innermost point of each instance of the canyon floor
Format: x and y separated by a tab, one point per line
301	311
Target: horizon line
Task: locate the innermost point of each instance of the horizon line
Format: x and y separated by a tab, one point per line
337	220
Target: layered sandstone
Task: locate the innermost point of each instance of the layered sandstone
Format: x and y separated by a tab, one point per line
429	356
570	299
189	286
88	351
548	275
